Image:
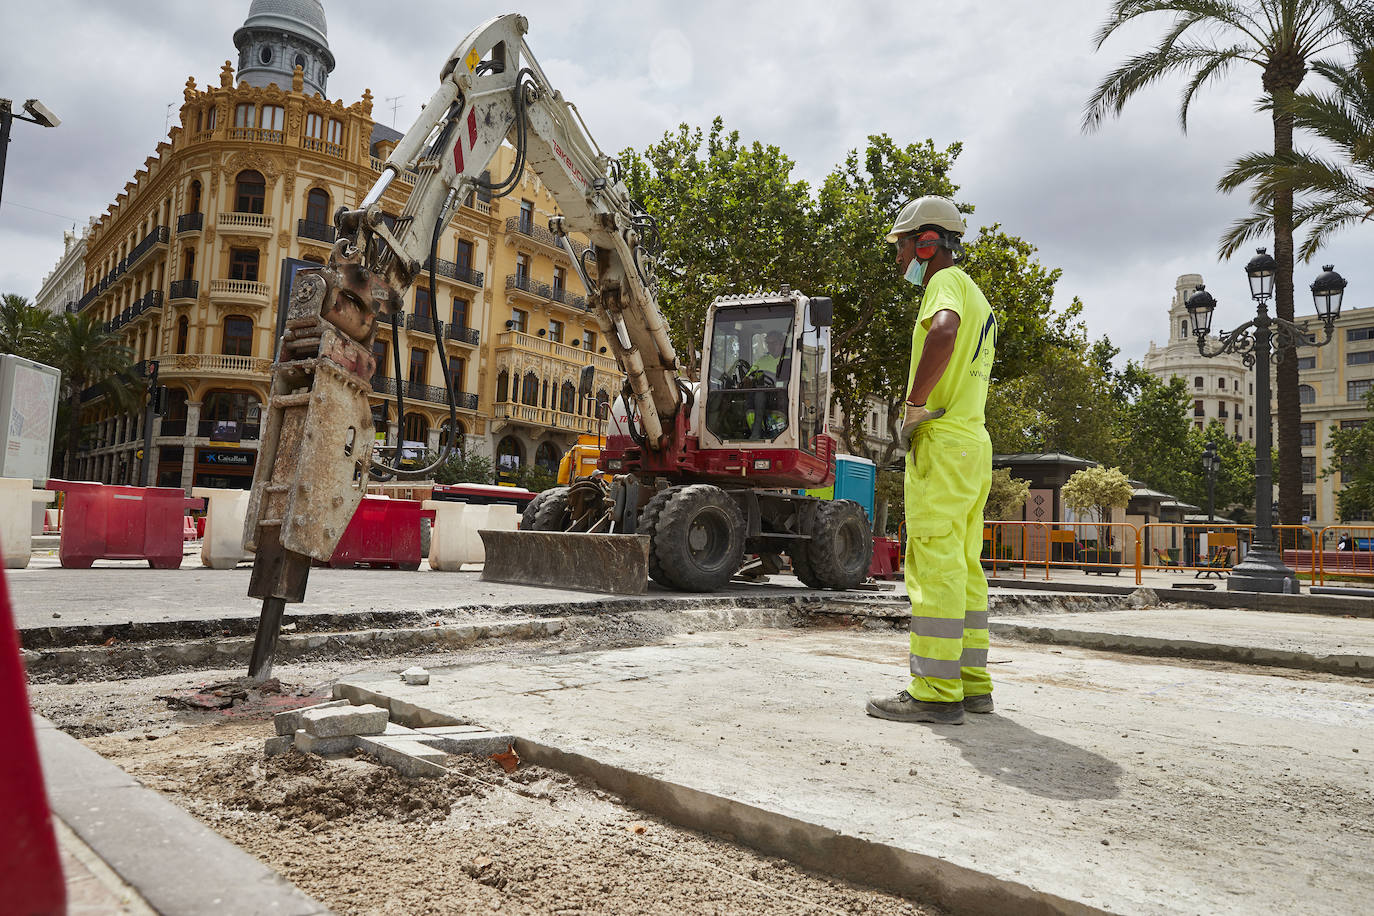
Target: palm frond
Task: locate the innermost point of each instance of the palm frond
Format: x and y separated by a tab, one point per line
1255	227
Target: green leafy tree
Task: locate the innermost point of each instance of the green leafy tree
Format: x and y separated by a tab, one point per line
533	478
1352	457
1063	403
730	220
1006	496
1234	489
1206	40
87	356
1153	428
1330	193
1097	491
25	329
464	466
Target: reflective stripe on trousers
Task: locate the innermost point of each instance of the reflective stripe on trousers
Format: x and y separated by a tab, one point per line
946	488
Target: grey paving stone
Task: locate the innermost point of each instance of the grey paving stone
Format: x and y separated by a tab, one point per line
337	721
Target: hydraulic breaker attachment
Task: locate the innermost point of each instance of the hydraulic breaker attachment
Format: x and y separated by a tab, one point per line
616	564
316	448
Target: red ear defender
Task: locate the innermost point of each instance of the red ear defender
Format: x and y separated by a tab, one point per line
925	252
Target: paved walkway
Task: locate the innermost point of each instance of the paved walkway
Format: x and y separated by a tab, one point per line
1130	785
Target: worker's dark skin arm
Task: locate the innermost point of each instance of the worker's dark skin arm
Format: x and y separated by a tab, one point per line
935	355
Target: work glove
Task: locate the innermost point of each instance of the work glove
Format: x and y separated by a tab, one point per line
914	417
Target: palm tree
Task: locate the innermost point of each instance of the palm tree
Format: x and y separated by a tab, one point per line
25	329
87	355
1333	194
1208	39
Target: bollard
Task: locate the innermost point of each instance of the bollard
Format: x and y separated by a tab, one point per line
17	501
225	514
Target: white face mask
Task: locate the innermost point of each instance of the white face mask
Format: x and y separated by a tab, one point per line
915	271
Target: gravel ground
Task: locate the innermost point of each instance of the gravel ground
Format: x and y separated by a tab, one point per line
363	839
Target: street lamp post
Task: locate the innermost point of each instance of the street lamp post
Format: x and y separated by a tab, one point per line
1256	341
38	114
1209	464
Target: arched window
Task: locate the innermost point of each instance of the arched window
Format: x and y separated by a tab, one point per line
1185	327
238	336
529	390
445	435
1307	394
546	456
183	333
567	398
603	403
509	457
225	413
317	207
250	192
193	199
502	386
1197	381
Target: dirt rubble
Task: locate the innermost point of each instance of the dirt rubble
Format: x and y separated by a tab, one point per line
363	839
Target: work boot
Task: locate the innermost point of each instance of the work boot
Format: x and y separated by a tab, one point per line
905	708
980	703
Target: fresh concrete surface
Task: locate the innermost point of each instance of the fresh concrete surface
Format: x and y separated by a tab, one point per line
173	861
1126	784
1315	643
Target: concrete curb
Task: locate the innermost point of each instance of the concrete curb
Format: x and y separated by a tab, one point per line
1345	665
174	862
1316	603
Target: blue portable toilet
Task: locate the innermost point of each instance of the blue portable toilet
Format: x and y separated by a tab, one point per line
856	478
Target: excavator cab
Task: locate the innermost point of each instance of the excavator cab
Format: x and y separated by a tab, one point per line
767	374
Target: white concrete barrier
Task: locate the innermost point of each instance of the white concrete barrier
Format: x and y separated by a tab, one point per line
17	499
225	514
454	539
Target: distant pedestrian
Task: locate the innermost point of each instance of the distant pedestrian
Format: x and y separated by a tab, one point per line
1343	543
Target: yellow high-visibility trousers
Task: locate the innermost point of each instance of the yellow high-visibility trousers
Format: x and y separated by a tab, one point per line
946	487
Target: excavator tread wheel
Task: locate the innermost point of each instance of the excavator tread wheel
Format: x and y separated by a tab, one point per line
532	508
840	549
551	513
698	540
648	524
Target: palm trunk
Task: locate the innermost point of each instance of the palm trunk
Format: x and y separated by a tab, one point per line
1286	374
73	432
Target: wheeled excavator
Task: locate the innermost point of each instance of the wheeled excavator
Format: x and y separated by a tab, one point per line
705	477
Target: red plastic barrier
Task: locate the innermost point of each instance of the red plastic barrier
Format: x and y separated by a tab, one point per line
382	532
886	559
108	522
30	868
200	526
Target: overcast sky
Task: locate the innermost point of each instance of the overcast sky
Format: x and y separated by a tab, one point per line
1122	211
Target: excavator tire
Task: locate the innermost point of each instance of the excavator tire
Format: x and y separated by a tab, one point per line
698	540
552	513
648	525
840	549
532	507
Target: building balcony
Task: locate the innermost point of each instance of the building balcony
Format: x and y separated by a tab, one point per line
217	364
529	343
457	272
321	232
158	237
422	323
245	222
319	145
531	415
241	292
469	336
88	298
527	288
257	135
523	227
416	391
190	222
243	432
151	302
184	289
562	295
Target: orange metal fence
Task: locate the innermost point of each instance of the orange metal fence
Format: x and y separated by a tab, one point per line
1345	551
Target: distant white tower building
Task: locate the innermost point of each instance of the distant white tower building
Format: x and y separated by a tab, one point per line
1221	387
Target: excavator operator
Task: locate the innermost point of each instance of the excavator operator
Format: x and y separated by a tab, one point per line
948	472
771	360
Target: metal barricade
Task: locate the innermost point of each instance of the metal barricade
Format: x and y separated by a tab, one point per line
1345	552
1013	543
1297	547
1098	548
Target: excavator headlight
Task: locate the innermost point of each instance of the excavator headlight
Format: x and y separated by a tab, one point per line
615	464
762	464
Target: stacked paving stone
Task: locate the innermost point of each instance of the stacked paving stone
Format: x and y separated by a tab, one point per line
339	727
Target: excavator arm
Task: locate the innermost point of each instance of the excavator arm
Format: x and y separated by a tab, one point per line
492	90
316	454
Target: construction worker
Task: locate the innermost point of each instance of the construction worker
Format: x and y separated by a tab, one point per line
771	360
948	472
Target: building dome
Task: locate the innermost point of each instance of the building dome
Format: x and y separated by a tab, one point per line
280	35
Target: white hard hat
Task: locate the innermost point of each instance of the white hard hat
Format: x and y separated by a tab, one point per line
928	211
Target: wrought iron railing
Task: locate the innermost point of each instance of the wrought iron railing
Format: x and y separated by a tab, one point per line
309	229
462	334
190	222
184	289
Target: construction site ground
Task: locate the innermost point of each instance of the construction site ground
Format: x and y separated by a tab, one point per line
710	753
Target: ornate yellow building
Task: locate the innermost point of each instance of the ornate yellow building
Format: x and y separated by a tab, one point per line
190	262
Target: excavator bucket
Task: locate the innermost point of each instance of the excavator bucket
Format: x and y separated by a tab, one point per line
614	564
